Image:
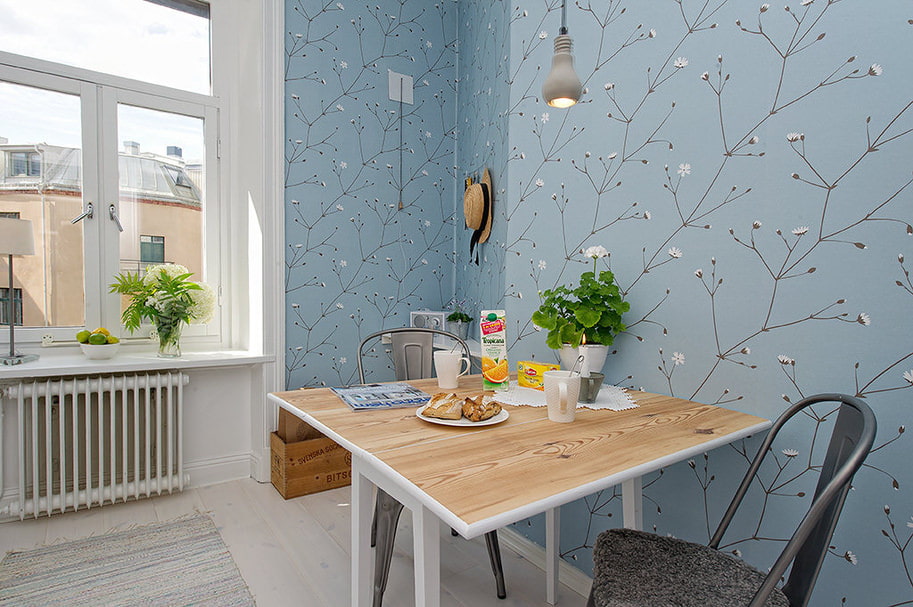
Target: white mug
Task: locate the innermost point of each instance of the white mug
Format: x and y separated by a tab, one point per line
447	365
561	391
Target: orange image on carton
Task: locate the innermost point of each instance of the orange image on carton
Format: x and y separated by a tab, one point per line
493	338
529	373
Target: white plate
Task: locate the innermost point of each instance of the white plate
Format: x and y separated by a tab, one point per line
463	422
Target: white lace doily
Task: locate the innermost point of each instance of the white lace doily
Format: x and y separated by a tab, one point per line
609	397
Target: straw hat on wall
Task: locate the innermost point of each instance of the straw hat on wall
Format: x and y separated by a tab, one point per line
478	207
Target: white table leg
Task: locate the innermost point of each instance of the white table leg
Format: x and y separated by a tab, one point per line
426	540
552	551
632	503
362	510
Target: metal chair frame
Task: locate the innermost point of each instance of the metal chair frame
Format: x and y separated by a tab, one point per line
411	346
850	443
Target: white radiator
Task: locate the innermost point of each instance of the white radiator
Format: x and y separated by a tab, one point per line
91	441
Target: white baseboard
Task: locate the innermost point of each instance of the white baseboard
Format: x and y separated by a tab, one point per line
260	465
568	575
218	469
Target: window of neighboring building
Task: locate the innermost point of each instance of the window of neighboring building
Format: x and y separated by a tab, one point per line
9	214
25	164
151	249
4	306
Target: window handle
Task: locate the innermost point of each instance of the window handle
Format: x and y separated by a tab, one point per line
87	213
112	213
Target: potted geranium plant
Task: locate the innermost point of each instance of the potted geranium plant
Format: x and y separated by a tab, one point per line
589	313
458	320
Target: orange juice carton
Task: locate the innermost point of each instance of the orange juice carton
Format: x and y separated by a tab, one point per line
529	373
493	337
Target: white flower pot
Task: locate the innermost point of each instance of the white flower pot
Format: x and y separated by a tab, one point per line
596	355
568	356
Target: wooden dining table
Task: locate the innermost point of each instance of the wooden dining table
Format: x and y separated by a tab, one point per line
478	479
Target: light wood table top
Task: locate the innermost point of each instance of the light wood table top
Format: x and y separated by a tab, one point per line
491	475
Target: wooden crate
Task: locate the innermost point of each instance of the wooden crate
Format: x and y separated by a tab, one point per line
308	466
292	428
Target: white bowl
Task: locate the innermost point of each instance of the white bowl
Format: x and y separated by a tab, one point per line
100	351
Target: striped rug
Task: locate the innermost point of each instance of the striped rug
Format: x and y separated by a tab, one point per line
182	562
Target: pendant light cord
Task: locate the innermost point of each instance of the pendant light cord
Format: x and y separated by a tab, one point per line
563	29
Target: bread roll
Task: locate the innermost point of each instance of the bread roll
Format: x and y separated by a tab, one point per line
480	408
444	406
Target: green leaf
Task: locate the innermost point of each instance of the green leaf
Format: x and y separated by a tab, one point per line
587	317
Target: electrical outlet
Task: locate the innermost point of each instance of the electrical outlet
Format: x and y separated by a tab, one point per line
47	340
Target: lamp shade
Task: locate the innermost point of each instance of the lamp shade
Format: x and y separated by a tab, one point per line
562	87
16	237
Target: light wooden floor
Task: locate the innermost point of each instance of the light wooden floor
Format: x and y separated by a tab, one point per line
296	552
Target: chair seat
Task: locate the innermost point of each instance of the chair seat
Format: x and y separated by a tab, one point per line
638	569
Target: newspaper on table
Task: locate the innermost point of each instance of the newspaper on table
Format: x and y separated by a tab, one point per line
382	396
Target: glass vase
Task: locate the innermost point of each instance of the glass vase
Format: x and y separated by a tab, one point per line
169	332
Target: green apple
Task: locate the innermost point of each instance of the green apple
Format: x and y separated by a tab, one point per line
98	339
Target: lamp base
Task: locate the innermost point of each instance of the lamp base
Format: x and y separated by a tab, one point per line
18	359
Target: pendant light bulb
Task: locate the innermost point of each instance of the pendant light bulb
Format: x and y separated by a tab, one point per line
562	87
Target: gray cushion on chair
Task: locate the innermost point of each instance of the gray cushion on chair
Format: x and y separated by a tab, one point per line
638	569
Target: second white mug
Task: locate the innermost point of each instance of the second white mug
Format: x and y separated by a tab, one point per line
447	365
561	391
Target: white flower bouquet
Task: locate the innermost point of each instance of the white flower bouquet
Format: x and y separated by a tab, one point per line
165	296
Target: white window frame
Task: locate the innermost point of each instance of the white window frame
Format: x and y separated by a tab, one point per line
99	96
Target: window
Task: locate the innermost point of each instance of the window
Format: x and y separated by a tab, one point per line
151	249
4	306
24	164
142	155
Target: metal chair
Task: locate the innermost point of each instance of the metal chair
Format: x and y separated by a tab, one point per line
412	357
636	568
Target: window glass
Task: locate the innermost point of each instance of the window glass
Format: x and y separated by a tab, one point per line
157	194
151	250
4	306
139	39
40	180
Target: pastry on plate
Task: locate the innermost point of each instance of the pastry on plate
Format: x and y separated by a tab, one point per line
444	406
481	407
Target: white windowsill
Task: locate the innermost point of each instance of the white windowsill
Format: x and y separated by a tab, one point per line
72	362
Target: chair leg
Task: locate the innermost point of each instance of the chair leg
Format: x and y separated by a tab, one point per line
374	524
387	511
494	555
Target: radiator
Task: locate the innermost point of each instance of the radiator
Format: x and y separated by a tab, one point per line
91	441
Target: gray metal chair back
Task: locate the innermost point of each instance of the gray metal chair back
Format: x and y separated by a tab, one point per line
412	351
850	443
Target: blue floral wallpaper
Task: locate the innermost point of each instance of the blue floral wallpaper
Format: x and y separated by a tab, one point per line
747	165
370	183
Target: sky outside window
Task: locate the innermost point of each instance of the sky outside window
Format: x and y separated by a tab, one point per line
131	38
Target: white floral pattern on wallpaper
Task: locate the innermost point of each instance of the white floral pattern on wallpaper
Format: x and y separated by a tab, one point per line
359	255
748	168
